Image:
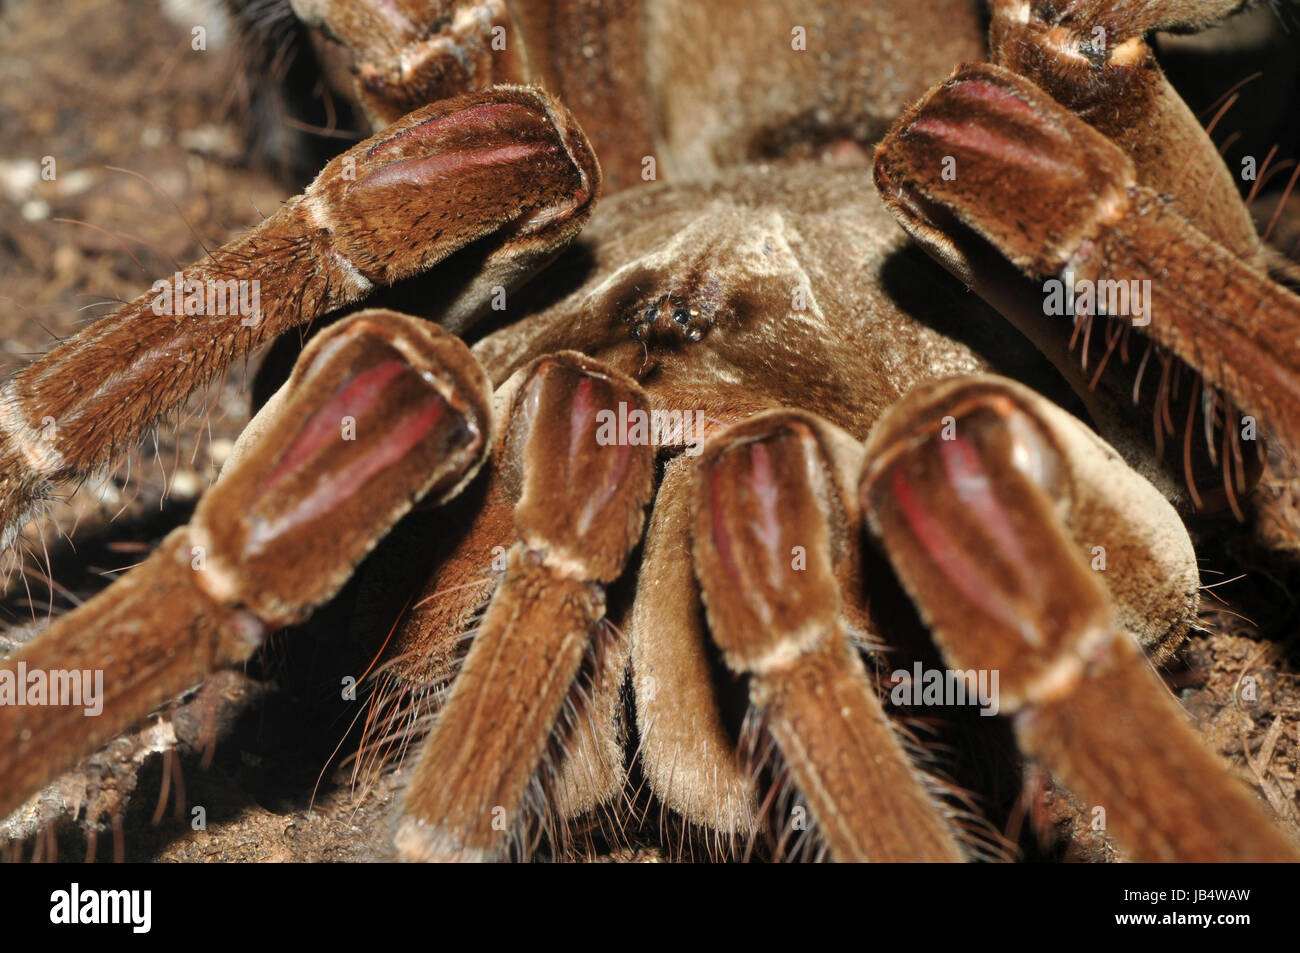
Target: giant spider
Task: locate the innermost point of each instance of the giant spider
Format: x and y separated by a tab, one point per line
756	290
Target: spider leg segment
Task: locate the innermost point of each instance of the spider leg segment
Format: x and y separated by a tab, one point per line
775	544
381	410
1092	57
580	511
398	56
390	58
1061	201
508	163
974	495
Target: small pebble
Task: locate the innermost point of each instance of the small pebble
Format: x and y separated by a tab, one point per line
36	210
185	484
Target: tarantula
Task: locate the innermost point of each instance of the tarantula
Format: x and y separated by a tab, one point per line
729	352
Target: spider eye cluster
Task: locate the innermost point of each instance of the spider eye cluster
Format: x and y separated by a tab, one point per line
670	321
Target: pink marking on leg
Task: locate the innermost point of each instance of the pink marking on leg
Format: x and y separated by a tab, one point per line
339	486
981	139
578	414
971	481
485	115
435	168
964	573
768	529
356	396
982	90
582	420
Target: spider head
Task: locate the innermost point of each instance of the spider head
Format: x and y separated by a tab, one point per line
671	320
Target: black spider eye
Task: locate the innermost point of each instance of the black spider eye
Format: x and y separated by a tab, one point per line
682	316
651	314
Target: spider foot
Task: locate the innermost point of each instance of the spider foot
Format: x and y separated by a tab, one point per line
1112	245
1093	58
582	493
774	548
381	409
974	491
508	165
